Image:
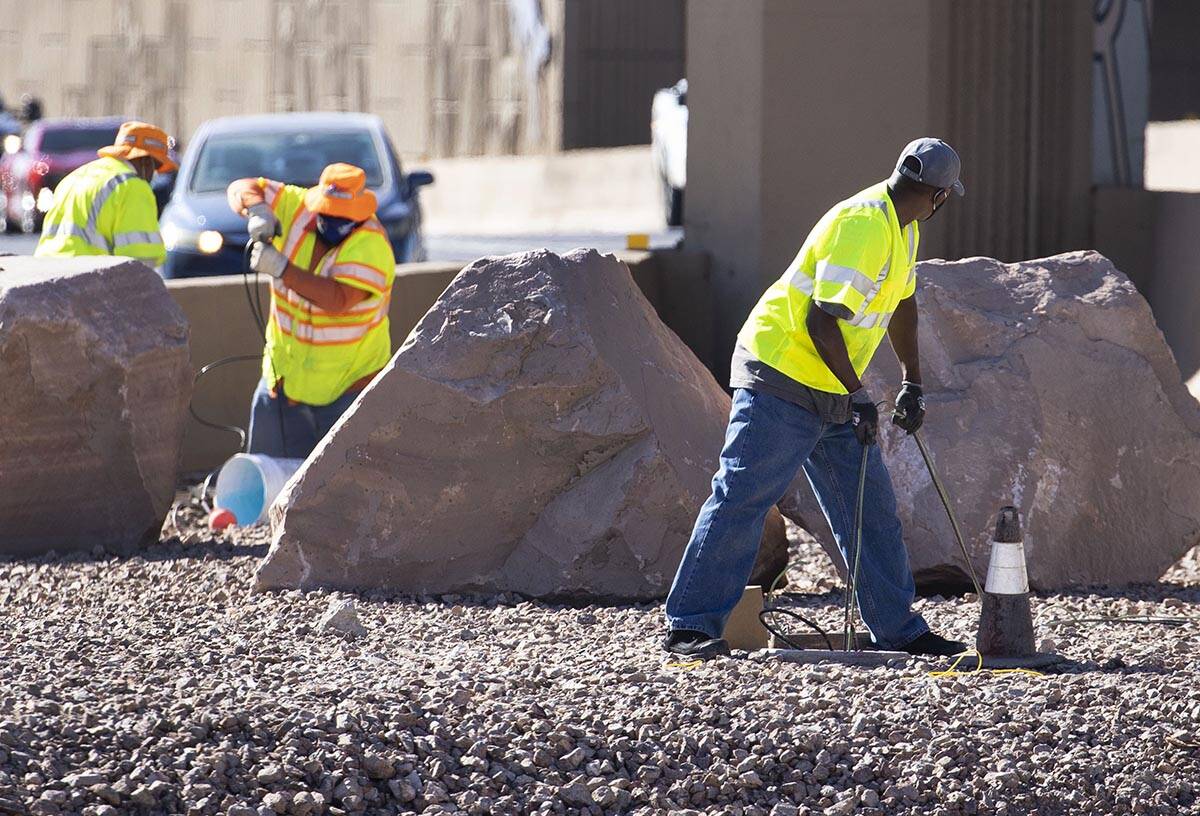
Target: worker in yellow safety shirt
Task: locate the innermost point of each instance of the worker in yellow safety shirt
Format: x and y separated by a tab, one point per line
331	268
799	402
106	207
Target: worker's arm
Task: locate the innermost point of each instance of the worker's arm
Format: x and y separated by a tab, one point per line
325	293
260	201
902	331
244	194
827	337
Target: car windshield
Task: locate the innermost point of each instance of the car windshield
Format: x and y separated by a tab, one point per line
71	139
293	158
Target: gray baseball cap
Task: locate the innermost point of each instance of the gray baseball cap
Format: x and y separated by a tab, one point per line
936	164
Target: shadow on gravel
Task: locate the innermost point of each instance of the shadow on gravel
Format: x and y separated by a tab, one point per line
1156	592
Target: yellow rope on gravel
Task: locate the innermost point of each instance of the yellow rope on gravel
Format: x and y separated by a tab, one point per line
954	672
687	665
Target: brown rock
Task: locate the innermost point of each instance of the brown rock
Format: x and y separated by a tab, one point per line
96	382
540	431
1050	388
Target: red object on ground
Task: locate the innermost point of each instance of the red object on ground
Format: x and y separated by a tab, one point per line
221	518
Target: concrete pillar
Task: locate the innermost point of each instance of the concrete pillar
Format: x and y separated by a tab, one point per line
796	104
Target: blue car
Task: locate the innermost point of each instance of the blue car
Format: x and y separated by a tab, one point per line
204	237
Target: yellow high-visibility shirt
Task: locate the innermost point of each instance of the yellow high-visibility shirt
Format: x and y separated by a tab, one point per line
319	354
103	208
856	256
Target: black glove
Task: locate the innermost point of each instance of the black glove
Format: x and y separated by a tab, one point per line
910	407
864	417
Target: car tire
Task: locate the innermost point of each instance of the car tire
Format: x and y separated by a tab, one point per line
673	205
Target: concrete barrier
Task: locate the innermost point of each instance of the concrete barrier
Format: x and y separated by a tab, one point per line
675	282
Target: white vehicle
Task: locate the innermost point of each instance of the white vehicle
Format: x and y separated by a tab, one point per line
668	141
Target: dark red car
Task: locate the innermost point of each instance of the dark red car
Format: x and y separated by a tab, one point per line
48	151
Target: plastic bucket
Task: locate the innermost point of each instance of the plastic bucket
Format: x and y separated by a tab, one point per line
249	482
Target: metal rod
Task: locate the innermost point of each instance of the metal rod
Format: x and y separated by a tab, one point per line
851	638
941	491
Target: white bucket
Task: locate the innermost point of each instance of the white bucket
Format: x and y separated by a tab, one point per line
249	482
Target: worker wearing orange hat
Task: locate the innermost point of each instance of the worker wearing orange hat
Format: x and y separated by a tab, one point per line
106	207
331	268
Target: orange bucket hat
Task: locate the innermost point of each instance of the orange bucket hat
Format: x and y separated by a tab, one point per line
137	139
341	193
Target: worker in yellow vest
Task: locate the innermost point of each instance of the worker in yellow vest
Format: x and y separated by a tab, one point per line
106	207
331	268
799	402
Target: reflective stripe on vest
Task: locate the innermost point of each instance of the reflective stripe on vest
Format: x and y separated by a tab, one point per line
858	257
89	233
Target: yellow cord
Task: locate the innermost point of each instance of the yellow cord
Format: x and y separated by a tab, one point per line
684	665
954	672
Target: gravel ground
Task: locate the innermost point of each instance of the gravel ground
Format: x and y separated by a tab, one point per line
161	684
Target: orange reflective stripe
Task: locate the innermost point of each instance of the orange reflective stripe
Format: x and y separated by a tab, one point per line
339	335
307	313
360	272
295	235
271	190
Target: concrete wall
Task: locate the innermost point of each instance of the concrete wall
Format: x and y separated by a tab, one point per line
675	282
450	77
1152	237
795	104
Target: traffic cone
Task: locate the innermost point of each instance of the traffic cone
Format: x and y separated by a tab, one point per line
1005	621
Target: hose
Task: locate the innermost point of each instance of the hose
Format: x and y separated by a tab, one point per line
254	301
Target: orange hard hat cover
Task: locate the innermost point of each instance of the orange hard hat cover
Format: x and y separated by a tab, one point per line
341	193
138	139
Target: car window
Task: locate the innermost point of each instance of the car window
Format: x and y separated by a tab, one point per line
293	158
71	139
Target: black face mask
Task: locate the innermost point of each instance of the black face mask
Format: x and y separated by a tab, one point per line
334	230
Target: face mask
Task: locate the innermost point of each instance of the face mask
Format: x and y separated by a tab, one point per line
334	230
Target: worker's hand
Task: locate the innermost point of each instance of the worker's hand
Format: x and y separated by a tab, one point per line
263	224
864	417
267	259
910	407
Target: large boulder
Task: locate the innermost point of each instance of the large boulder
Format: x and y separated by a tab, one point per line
96	381
540	431
1049	387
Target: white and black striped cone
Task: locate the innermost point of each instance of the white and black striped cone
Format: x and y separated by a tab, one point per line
1006	622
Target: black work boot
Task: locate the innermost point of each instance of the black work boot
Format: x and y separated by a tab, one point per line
693	644
931	644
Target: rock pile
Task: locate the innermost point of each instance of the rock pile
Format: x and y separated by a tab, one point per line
94	386
540	431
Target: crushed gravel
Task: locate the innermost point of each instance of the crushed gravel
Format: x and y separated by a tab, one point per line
161	684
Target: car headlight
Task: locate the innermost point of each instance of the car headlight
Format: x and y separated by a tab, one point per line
171	236
45	199
209	241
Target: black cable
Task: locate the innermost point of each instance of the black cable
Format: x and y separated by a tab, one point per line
234	429
253	298
780	636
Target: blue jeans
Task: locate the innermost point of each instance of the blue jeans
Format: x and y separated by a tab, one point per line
291	431
767	441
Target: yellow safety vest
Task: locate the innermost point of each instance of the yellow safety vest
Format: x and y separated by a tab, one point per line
319	354
856	256
103	208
